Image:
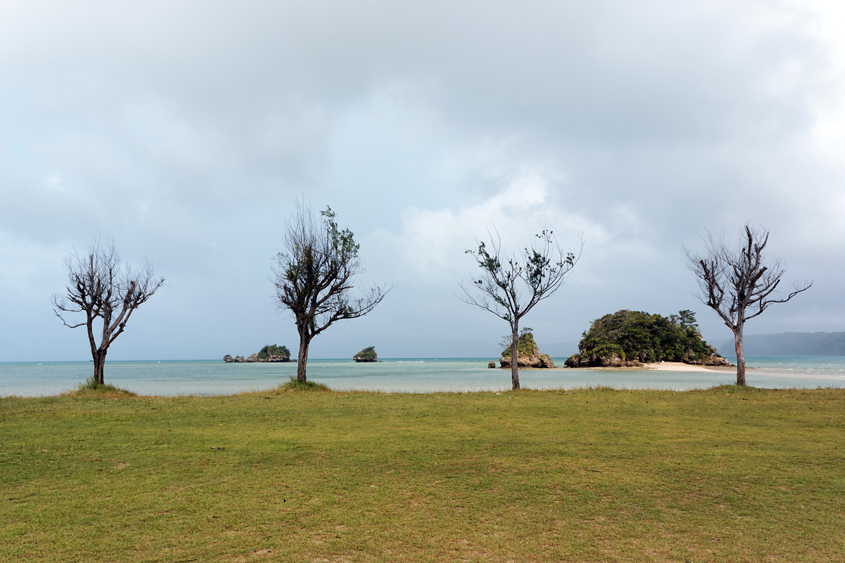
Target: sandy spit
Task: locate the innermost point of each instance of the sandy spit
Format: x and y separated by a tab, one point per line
680	366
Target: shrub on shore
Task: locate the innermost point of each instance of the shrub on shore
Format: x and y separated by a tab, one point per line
92	387
296	385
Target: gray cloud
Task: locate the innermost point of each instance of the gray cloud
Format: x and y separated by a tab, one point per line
186	130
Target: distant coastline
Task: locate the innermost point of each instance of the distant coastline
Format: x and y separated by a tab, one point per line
789	344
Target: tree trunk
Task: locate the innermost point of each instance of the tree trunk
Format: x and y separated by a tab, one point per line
302	357
740	357
515	356
99	365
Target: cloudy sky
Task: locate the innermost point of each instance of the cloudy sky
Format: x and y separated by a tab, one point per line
186	131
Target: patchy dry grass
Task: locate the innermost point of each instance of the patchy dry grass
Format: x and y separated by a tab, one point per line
725	474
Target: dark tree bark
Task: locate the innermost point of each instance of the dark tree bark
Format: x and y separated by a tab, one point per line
738	284
539	271
515	354
102	288
313	277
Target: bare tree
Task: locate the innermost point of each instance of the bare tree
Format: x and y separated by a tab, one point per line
738	284
102	288
538	271
313	277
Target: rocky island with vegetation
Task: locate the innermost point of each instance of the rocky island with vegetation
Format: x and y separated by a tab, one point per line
527	353
631	338
270	353
366	355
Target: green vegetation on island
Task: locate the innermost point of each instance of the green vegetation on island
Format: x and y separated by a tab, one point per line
629	338
722	475
366	355
270	353
274	350
528	353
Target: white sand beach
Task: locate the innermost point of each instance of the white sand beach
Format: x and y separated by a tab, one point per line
680	366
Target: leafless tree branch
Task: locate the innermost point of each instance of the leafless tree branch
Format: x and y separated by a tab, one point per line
537	273
737	283
100	287
313	277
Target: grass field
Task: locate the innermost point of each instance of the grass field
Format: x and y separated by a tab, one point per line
721	475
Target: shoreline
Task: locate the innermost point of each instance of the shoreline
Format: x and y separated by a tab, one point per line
215	378
120	393
655	366
681	366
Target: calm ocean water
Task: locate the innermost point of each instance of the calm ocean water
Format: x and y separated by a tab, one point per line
214	377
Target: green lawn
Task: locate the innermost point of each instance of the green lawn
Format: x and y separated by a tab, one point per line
596	475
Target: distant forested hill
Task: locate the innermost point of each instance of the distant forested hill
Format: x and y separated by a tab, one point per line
790	344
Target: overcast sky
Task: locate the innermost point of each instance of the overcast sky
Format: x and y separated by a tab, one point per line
186	130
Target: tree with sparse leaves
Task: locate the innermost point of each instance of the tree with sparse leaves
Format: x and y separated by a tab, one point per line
107	292
313	277
738	284
510	286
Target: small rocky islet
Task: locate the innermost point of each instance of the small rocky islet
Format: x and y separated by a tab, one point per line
276	353
527	354
366	355
270	353
626	339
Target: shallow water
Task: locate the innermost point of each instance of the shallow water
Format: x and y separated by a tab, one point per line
215	377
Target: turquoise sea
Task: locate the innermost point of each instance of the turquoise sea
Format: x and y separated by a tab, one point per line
214	377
